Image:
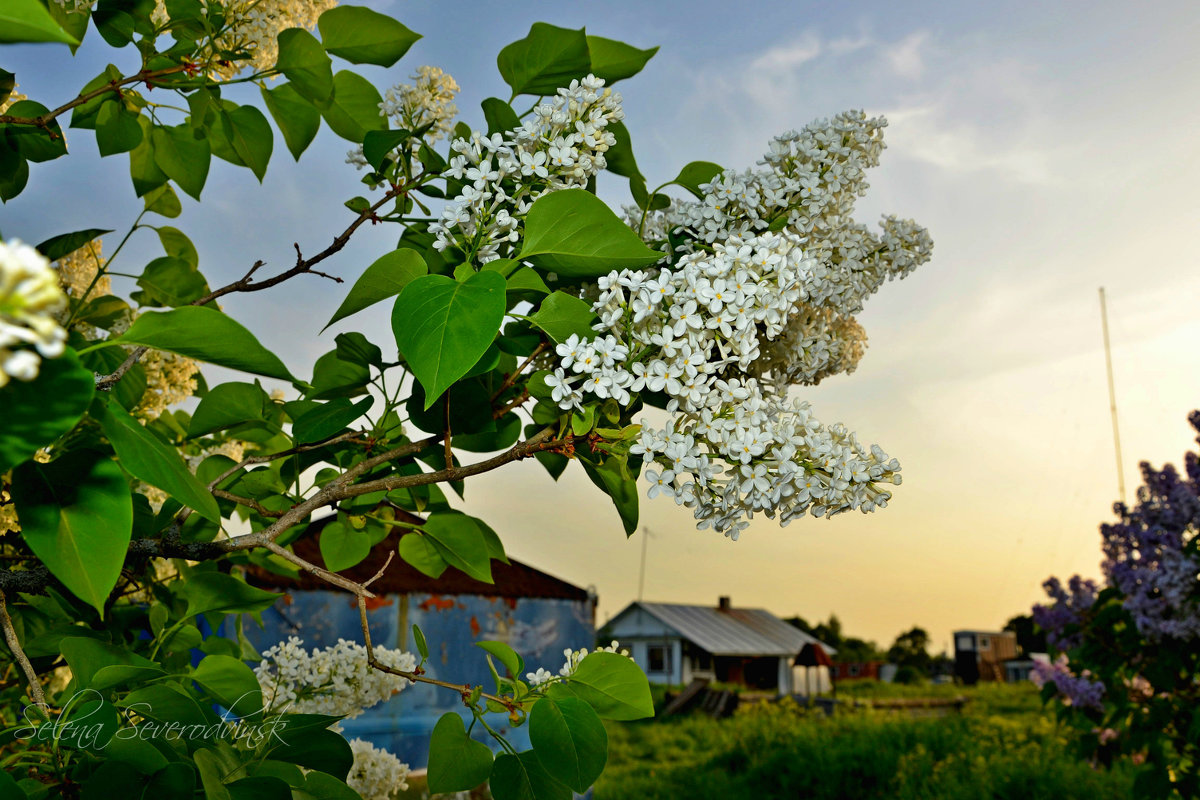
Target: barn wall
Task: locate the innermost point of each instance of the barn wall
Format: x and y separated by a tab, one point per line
538	629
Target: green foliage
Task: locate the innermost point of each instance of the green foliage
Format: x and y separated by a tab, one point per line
386	277
39	411
614	61
569	739
76	516
353	110
443	326
575	234
147	457
524	777
611	684
456	761
562	315
695	174
459	540
298	121
208	335
550	57
304	62
547	58
342	547
1003	745
138	523
28	21
363	36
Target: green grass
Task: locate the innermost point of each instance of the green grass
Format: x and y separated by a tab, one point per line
1002	746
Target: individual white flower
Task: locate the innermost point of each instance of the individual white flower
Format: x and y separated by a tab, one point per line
30	301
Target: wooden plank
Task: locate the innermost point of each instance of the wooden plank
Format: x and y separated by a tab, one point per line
686	698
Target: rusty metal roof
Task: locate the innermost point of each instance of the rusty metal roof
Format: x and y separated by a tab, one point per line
514	579
729	632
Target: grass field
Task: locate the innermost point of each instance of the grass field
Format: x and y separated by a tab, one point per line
1002	745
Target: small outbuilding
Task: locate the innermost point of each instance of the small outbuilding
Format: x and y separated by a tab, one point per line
675	644
980	655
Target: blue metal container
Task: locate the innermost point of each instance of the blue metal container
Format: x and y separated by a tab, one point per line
536	614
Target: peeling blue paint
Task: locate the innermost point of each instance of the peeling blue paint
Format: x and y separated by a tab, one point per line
537	628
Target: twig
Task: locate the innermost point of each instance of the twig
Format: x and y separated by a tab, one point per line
322	573
383	569
106	382
534	444
516	402
248	502
537	351
44	120
449	451
170	545
247	284
10	636
463	689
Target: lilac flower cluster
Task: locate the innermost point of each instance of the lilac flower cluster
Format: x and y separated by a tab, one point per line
1080	691
1151	554
1062	620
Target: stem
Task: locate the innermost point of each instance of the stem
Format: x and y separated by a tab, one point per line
44	120
646	210
10	636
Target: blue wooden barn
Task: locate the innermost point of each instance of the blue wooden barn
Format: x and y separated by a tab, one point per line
536	614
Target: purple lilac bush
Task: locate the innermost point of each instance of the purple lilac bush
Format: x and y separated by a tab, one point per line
1127	667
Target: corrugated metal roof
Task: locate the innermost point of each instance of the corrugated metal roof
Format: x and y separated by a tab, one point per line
732	632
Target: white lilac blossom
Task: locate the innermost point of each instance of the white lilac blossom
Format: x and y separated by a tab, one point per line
376	773
336	680
561	145
769	270
254	28
735	444
573	660
426	102
30	301
809	184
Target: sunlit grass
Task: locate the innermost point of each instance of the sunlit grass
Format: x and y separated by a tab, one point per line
1003	745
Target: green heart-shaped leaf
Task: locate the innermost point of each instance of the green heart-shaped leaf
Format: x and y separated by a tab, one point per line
444	326
576	234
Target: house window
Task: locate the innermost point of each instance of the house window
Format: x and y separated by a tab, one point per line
965	642
853	670
983	643
658	657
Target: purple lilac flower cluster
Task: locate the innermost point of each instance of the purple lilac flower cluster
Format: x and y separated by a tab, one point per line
1062	620
1151	554
1080	691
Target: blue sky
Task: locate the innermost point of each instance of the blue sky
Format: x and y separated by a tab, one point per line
1049	148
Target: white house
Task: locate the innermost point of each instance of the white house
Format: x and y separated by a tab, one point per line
675	644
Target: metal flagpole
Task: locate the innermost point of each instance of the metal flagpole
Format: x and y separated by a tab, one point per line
1112	396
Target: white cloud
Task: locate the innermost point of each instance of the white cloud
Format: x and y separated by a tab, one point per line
927	133
789	56
906	57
